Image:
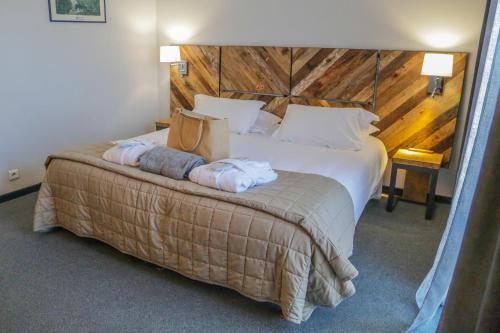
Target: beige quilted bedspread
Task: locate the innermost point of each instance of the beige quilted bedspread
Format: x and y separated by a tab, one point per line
287	242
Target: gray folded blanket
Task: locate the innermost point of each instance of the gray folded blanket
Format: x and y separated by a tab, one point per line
170	162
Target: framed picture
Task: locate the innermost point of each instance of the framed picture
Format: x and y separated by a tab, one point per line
77	11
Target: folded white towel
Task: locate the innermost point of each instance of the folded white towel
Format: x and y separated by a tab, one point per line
233	175
128	152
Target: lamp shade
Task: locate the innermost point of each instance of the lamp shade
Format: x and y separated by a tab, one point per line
170	54
437	64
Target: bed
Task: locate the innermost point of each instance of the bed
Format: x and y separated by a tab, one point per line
287	242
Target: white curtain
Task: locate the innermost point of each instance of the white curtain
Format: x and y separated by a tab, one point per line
433	290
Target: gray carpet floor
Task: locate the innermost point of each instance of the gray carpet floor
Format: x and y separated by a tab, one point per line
57	282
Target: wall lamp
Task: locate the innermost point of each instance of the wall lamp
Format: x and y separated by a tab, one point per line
172	54
437	66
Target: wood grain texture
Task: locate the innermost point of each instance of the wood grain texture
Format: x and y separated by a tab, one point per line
275	105
255	69
416	186
202	78
327	73
327	103
409	117
418	159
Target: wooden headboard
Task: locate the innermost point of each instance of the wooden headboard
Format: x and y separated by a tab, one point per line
387	83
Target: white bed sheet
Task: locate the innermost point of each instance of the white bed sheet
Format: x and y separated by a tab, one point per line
360	171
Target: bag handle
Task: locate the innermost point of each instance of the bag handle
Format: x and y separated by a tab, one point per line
200	131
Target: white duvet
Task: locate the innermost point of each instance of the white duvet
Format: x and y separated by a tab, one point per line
359	171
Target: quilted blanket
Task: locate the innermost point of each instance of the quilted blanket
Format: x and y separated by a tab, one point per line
287	242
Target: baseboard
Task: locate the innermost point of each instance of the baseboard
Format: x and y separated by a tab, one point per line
19	193
437	198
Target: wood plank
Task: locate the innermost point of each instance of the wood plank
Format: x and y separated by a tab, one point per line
416	186
326	103
332	73
275	105
256	69
202	77
430	160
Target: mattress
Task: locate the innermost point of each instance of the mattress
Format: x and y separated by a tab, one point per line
361	172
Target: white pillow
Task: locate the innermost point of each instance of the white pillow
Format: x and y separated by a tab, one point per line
339	128
242	114
266	123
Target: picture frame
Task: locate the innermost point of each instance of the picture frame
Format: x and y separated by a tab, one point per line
84	11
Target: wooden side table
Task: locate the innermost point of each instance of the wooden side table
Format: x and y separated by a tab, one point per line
163	123
417	161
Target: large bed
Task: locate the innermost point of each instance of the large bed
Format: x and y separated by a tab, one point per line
287	242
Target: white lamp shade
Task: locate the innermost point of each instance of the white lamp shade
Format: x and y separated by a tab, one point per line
170	54
437	64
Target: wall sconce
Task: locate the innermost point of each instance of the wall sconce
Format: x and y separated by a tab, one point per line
437	66
172	55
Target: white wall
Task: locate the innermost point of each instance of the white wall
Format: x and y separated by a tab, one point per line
66	84
450	25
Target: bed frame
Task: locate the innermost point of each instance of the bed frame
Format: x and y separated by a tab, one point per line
387	83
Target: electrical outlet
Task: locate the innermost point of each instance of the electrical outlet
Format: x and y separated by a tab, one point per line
13	174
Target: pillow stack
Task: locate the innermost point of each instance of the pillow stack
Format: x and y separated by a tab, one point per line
337	128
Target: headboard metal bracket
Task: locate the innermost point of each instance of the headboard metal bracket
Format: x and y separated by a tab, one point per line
334	100
251	93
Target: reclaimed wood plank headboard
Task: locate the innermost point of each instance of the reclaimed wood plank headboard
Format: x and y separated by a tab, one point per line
387	83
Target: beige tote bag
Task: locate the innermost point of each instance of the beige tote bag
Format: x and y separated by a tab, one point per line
199	134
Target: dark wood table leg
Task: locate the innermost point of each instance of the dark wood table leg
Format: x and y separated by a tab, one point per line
432	194
394	173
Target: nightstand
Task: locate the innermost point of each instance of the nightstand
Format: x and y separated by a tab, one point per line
164	123
417	161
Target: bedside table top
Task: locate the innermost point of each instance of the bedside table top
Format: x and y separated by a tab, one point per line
418	158
164	122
